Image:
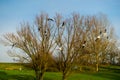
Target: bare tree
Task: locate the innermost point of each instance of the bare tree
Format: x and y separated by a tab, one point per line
65	40
72	41
93	41
97	36
35	42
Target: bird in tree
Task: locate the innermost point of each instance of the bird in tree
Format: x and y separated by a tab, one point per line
100	32
105	30
13	45
45	33
105	33
60	48
98	37
63	23
84	42
50	19
107	37
39	29
83	45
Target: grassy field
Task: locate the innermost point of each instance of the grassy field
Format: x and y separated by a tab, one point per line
105	73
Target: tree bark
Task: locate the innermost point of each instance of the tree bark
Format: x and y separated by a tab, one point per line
81	68
39	75
64	77
97	63
97	67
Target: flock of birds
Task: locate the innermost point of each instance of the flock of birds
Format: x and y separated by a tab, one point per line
103	34
50	19
83	45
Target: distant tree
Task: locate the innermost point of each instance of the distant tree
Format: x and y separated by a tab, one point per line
34	43
114	52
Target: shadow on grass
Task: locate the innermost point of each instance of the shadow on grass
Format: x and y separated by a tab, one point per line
111	73
108	75
47	78
111	69
5	76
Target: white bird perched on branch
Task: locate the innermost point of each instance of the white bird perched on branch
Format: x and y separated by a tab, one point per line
60	48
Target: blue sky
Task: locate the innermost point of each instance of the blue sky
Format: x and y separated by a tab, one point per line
13	12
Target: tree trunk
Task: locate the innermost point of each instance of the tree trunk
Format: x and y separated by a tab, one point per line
64	77
39	75
81	68
97	67
97	62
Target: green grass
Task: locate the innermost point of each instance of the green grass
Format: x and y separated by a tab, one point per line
14	66
16	75
29	75
105	73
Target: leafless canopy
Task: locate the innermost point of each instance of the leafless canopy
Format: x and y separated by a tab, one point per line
69	42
